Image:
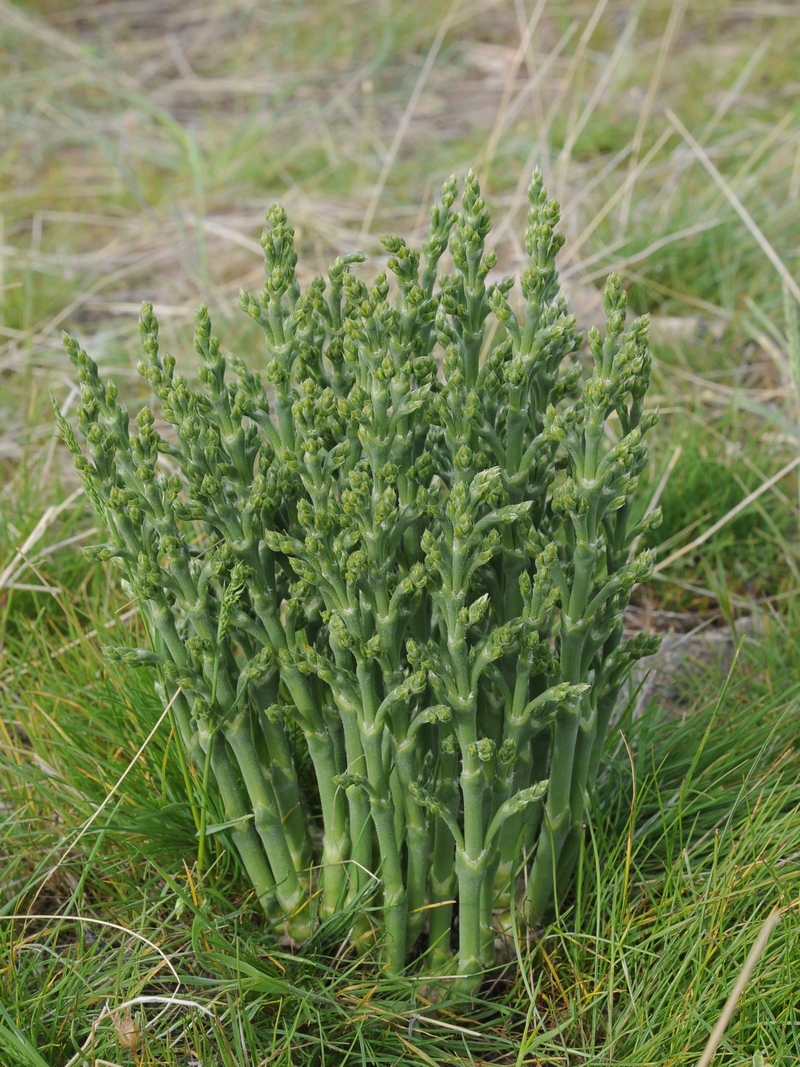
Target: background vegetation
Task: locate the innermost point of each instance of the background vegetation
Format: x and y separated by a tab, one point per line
141	143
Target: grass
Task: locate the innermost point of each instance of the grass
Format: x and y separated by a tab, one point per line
693	842
142	144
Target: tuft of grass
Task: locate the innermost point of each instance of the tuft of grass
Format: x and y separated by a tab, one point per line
694	838
720	465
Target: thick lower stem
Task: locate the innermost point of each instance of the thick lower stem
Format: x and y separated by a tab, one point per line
471	942
471	868
417	839
282	775
237	812
335	835
291	895
395	907
442	883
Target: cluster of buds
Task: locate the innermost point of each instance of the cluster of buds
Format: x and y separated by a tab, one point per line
400	553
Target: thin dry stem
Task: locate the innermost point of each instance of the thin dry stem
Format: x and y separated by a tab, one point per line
753	957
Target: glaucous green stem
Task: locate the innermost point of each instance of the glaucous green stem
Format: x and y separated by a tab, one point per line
238	813
282	775
443	882
291	894
395	909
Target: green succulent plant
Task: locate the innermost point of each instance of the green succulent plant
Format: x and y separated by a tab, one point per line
404	546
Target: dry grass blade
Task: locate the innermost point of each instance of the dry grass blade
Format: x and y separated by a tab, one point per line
676	14
580	269
630	180
126	1027
118	784
408	114
709	533
499	123
20	560
610	69
737	206
60	43
105	924
659	490
754	956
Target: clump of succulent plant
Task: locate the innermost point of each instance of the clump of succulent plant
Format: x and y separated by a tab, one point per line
401	550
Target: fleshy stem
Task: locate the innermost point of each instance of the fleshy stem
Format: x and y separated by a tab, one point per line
396	559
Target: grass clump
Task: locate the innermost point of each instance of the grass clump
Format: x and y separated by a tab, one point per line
688	833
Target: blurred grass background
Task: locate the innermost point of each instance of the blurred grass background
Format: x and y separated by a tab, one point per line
143	142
